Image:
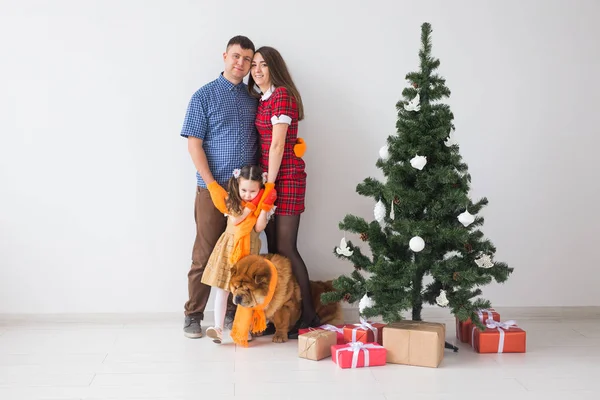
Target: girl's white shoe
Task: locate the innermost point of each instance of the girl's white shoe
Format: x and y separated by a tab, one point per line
216	334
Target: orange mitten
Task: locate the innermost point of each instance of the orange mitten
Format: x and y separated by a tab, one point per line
300	147
218	196
254	203
269	186
269	201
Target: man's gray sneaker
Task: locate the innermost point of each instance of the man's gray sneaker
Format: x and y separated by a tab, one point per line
192	328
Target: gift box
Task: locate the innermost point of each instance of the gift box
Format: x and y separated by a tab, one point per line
415	343
486	314
358	355
316	345
364	332
499	337
463	329
338	329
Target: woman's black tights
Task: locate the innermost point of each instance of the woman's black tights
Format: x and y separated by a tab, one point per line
282	234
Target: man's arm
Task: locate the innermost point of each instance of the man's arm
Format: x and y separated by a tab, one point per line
217	193
195	128
199	158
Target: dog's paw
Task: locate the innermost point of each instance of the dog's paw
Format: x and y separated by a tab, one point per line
280	337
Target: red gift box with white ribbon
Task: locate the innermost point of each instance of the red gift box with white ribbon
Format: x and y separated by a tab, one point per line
463	329
358	355
364	332
499	337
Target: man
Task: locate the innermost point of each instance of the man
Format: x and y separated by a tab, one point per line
219	126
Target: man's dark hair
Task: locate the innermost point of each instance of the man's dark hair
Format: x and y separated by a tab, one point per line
243	41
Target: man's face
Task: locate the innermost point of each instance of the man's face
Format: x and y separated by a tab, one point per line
237	62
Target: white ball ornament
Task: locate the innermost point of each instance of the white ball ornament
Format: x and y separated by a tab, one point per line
416	244
418	162
384	153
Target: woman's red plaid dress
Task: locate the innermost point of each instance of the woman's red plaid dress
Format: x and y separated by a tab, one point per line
291	179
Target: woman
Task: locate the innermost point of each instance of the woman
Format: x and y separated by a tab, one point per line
279	110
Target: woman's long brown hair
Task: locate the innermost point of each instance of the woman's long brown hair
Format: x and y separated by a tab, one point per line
280	76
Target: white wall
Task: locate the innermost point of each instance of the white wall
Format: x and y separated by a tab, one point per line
97	188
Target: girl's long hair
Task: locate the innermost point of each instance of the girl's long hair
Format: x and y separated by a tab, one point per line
280	76
234	201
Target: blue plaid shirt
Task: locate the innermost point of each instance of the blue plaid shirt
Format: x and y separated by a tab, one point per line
222	115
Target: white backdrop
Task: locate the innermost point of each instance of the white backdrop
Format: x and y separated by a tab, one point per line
97	188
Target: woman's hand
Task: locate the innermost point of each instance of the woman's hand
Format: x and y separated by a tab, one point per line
269	187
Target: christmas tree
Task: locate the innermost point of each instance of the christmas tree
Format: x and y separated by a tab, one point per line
425	225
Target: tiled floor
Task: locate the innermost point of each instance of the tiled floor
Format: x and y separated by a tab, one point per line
112	357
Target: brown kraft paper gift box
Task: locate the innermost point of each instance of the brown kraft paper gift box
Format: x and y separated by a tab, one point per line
316	345
416	343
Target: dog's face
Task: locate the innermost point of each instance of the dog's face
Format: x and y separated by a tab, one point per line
250	278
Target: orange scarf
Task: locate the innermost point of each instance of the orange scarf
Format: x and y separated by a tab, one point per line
241	239
253	319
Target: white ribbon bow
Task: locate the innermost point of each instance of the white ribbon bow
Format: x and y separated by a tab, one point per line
364	325
501	326
490	323
356	347
333	328
489	313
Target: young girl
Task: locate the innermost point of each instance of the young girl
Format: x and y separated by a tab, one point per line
241	237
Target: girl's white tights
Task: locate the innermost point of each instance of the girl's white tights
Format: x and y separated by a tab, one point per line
220	307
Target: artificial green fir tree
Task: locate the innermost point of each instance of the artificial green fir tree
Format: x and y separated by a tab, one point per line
425	223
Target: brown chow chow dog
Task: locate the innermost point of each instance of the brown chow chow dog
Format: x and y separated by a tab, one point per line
249	284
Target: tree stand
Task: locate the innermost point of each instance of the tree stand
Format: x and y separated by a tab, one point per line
450	346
